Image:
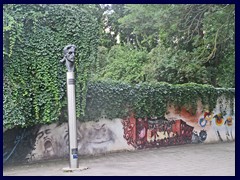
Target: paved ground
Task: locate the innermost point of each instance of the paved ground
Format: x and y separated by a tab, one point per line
184	160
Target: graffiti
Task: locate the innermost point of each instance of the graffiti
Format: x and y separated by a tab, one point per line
47	142
207	117
141	128
218	122
186	114
156	132
199	138
129	128
228	124
229	121
219	119
203	135
52	141
203	122
94	139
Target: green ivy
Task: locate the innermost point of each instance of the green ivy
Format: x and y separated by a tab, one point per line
116	100
34	80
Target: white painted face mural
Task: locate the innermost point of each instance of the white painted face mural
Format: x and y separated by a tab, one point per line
50	142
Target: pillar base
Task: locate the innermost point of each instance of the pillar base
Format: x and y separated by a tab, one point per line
68	169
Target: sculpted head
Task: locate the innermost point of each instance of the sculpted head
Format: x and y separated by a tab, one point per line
69	52
68	59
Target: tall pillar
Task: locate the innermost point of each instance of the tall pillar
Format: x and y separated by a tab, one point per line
72	120
68	59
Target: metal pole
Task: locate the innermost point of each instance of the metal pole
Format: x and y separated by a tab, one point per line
72	120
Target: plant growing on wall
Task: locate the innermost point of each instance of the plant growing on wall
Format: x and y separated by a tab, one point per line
34	80
116	100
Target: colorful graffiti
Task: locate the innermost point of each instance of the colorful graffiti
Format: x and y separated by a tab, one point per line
217	122
51	141
156	132
229	127
219	119
207	117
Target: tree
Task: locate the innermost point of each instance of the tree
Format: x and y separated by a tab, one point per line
198	38
124	64
207	33
139	26
110	26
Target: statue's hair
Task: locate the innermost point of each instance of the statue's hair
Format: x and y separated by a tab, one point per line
66	48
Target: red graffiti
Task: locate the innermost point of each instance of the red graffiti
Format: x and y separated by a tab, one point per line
129	127
146	133
142	126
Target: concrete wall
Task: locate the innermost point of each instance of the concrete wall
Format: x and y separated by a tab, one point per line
51	141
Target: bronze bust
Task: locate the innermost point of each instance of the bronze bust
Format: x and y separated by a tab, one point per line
69	54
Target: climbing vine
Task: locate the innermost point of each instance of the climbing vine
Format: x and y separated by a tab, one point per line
34	80
117	100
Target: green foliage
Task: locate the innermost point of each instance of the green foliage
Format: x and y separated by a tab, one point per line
110	25
107	98
187	43
158	43
205	35
174	66
124	64
116	100
34	80
140	26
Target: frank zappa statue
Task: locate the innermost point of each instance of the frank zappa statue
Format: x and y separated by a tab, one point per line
69	54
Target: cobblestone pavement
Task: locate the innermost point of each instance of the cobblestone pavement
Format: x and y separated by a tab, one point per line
185	160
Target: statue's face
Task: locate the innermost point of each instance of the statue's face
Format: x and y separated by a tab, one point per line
70	54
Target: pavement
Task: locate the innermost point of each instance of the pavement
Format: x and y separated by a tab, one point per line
182	160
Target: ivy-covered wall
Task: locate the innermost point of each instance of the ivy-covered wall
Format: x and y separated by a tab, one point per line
177	127
119	100
34	36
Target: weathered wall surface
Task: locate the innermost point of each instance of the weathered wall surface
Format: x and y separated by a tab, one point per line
51	141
